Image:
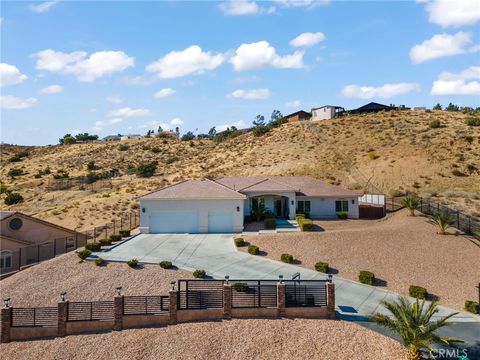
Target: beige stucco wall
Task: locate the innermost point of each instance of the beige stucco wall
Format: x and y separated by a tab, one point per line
6	244
139	321
78	327
30	333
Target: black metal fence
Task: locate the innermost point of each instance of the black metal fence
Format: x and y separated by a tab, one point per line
39	316
200	294
254	293
305	293
145	305
90	311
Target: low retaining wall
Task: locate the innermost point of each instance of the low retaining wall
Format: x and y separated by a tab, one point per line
199	315
243	313
138	321
79	327
306	312
32	333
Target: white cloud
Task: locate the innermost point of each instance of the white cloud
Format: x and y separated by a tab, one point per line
262	54
307	39
309	4
384	92
293	104
129	112
253	94
115	120
176	121
466	82
43	6
192	60
100	125
164	93
10	75
154	124
442	45
85	68
52	89
239	7
114	99
15	103
453	12
238	124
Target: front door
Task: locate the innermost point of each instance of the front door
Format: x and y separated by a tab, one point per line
278	207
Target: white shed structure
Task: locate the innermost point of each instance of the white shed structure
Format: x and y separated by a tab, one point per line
326	112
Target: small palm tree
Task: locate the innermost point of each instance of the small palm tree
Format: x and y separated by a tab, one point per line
411	202
258	212
443	220
413	323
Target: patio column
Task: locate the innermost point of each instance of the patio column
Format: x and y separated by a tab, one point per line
6	323
331	300
227	301
280	299
292	207
118	312
172	306
62	318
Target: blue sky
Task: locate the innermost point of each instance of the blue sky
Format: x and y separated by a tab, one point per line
126	67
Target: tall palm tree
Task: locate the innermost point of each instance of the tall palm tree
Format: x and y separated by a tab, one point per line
443	220
413	323
411	202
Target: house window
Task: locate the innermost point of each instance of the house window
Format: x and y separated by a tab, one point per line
15	223
303	206
5	260
341	205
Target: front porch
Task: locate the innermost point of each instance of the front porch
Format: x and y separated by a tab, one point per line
278	205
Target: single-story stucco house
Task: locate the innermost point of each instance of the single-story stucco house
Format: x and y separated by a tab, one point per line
221	205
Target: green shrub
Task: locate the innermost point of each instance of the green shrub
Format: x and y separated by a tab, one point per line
95	246
435	124
474	121
124	233
99	261
13	172
156	149
132	263
240	287
239	242
123	147
83	254
366	277
417	292
115	237
165	264
286	258
372	156
105	242
342	214
472	306
299	216
456	172
146	170
305	224
13	198
199	273
253	249
270	223
321	267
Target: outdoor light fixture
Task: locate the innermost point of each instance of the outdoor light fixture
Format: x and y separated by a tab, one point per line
292	202
143	210
280	278
119	290
227	278
238	208
63	295
172	284
330	278
6	302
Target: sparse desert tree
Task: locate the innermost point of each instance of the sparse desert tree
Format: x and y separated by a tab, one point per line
437	107
443	220
412	203
413	323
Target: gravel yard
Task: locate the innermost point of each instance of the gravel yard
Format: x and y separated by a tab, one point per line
400	250
236	339
41	284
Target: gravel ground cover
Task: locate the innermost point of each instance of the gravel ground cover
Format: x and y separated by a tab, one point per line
401	250
236	339
41	284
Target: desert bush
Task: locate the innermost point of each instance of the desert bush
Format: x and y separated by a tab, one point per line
105	242
305	224
123	147
270	223
321	267
199	273
472	306
61	174
443	220
417	292
239	242
132	263
300	217
3	188
456	172
372	155
146	169
83	254
115	237
342	214
156	149
473	121
99	261
14	172
411	202
165	264
286	258
240	287
435	124
366	277
253	249
91	166
95	246
13	198
124	233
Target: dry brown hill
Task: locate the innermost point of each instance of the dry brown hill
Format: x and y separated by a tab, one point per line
384	152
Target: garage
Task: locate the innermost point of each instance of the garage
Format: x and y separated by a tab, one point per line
173	222
220	222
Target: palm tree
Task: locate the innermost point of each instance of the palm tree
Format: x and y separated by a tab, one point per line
413	323
411	202
258	212
443	220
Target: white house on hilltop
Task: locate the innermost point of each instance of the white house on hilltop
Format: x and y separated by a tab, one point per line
326	112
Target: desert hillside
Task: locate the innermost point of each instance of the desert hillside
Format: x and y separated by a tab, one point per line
385	152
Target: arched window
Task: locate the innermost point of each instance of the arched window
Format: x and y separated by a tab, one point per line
5	259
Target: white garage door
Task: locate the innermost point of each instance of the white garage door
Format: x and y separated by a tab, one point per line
220	222
173	222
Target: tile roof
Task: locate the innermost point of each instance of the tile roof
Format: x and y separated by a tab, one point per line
194	189
309	186
268	184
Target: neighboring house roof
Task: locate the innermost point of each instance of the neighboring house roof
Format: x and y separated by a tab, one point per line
330	106
372	106
7	214
300	112
194	189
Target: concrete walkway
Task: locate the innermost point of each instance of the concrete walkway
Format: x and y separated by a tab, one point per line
217	254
